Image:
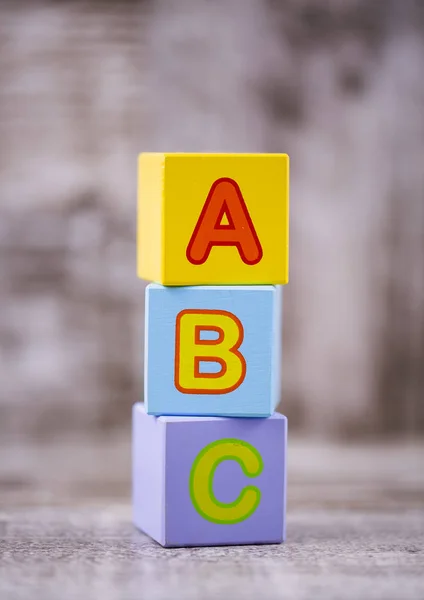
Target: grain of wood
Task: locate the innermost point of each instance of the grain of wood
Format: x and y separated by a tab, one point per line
355	530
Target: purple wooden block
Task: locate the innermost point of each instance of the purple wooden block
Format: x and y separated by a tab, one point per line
208	481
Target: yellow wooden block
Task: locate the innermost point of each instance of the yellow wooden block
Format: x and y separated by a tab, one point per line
207	219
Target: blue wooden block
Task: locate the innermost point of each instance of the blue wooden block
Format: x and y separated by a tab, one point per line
212	350
279	341
207	481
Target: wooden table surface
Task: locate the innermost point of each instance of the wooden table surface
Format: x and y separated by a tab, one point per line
355	529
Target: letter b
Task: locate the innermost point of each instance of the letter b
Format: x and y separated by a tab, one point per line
191	350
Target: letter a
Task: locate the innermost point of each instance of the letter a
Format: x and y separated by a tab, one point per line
224	221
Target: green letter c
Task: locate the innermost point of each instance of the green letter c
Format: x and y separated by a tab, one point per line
201	481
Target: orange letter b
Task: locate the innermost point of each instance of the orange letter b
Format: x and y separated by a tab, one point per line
191	350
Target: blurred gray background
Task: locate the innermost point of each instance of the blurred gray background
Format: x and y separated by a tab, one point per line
87	85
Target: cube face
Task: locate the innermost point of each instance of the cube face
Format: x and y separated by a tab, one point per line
149	216
224	480
212	350
209	219
148	493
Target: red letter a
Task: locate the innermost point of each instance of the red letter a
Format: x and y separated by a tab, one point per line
224	201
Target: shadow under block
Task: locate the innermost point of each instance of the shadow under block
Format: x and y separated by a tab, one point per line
212	350
207	219
207	481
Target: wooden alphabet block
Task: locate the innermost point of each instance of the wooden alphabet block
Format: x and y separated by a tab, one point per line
207	481
212	350
207	219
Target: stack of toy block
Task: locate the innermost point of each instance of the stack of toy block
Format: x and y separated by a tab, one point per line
209	452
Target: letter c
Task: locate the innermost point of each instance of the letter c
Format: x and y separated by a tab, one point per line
201	481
